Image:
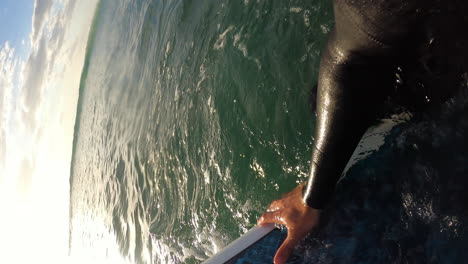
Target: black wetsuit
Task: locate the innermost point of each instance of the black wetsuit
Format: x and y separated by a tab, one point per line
370	40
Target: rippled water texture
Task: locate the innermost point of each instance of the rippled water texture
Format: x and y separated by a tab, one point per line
194	115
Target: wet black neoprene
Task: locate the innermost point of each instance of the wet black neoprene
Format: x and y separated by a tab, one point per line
357	73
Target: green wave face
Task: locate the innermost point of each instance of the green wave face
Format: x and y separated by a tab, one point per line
192	116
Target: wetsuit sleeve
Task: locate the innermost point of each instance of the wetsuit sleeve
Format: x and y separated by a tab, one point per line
356	65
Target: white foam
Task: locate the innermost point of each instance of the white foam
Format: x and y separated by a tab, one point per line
295	9
221	41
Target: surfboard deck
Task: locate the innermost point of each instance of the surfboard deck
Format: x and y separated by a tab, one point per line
259	244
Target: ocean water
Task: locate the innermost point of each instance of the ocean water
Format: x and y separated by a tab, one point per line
194	115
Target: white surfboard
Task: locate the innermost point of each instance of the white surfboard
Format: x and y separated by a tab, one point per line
239	245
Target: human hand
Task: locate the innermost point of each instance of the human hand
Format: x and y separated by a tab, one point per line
298	218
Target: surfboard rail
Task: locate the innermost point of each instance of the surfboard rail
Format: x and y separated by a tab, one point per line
240	244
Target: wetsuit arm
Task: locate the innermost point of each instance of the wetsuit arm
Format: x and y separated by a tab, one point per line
354	69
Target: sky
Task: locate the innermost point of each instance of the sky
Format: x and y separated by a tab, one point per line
42	49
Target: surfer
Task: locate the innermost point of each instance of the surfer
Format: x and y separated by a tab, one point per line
371	39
